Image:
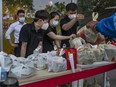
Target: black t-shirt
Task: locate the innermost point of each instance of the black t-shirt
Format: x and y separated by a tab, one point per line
72	30
28	34
47	41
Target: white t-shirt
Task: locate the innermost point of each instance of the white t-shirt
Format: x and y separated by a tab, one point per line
15	28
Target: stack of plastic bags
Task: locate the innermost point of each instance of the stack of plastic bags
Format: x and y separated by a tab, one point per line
26	67
46	61
90	37
88	54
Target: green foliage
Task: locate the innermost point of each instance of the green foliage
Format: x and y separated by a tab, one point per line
11	6
57	7
86	7
95	5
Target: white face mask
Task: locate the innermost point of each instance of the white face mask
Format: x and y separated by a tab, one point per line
45	26
72	16
22	19
55	23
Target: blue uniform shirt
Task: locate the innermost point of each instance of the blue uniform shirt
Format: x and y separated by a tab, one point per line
107	26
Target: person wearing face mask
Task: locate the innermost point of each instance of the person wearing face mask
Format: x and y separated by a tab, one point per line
47	41
70	22
15	28
106	26
31	35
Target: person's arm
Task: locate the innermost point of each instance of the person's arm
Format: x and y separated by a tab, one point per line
68	25
7	35
11	43
23	39
57	42
59	37
23	49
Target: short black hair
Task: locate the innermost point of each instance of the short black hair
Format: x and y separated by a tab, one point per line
71	6
20	11
53	14
41	14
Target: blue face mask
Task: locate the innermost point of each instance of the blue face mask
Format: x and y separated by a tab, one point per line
55	23
22	19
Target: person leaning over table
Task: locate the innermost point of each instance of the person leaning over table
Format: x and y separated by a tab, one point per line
32	34
15	28
70	22
47	41
106	26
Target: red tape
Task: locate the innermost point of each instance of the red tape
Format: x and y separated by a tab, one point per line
52	82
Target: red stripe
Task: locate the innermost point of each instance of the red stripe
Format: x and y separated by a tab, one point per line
71	77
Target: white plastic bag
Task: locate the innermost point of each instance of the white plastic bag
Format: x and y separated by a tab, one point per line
90	35
110	50
85	55
37	61
22	71
56	64
77	42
